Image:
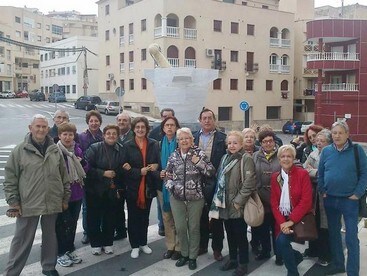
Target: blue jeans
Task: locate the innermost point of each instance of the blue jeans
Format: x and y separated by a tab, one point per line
335	207
289	255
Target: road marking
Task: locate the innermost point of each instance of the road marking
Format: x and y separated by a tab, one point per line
2	169
8	147
2	162
4	156
5	151
3	202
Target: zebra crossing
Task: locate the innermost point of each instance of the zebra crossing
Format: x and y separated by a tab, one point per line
37	105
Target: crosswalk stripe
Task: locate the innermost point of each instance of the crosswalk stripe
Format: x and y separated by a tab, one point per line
4	156
8	147
21	106
3	203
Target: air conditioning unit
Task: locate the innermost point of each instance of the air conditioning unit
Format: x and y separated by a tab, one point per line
209	52
111	76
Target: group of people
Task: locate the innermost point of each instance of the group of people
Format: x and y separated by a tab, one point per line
202	181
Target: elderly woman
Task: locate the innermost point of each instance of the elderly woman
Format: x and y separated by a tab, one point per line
319	247
103	179
236	183
249	139
291	200
142	177
266	163
168	145
341	185
306	144
184	172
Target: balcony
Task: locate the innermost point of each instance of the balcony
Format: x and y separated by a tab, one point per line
352	87
281	43
219	64
190	62
131	39
190	33
131	66
332	56
251	68
122	41
309	92
312	72
276	68
174	62
122	67
169	32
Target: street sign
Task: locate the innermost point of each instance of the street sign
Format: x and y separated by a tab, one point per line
119	92
244	106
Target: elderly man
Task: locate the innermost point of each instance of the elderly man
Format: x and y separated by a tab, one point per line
212	142
123	121
36	186
60	117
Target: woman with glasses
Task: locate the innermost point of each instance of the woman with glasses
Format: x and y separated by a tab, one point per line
266	162
184	173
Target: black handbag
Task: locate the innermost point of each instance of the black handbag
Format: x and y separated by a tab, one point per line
209	184
362	200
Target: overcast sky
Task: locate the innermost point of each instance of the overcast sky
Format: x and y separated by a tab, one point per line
90	6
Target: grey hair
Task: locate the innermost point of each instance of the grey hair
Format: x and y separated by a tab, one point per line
248	130
124	113
341	124
38	116
284	148
61	111
184	130
327	134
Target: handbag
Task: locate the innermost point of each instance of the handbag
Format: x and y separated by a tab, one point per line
253	213
362	200
209	185
305	230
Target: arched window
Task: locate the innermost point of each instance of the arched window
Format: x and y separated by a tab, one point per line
172	56
190	57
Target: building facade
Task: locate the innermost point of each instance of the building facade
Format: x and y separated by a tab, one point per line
254	56
341	90
74	72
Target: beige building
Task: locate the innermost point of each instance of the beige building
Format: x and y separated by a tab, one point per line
19	64
251	43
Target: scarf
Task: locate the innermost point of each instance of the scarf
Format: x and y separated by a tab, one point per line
219	199
284	204
166	149
140	202
76	171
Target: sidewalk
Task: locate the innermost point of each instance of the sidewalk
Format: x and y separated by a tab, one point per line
363	246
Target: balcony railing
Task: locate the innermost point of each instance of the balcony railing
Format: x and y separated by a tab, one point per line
279	68
339	87
157	32
174	62
170	32
283	43
122	67
190	33
307	71
122	41
190	62
131	38
332	56
131	66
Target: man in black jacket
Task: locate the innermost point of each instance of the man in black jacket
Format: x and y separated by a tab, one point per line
212	141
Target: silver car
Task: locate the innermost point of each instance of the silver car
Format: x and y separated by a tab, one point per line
109	107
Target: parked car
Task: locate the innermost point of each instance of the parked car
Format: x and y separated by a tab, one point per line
21	94
109	107
37	95
87	102
7	95
57	96
306	125
292	127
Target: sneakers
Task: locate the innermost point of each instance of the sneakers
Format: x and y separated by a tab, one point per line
64	261
108	249
323	262
96	250
73	257
134	253
146	249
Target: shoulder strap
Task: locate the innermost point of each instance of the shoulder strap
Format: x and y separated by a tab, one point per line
241	168
356	157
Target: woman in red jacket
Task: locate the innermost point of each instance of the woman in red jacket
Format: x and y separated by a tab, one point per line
291	199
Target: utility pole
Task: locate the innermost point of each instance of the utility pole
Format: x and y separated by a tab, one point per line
85	72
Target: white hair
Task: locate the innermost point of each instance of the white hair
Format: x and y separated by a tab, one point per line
38	116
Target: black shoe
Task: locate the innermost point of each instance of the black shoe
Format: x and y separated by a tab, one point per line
331	270
50	272
161	232
262	256
176	255
119	236
230	264
309	254
182	261
85	239
168	254
192	264
279	261
298	256
241	270
202	251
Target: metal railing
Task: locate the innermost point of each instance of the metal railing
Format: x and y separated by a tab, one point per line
174	62
339	87
190	62
190	33
122	41
131	66
131	38
173	31
122	67
332	56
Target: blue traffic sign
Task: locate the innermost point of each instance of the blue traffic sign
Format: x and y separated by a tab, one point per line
244	106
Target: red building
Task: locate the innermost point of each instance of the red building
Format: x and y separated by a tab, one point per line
340	57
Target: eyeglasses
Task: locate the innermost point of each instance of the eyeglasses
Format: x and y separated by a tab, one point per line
267	141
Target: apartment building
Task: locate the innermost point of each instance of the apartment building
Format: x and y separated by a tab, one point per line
251	43
19	65
74	72
341	90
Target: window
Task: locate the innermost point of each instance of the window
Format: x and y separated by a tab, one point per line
17	33
58	30
39	25
67	70
234	84
122	57
74	89
131	28
249	85
68	89
272	112
224	113
143	84
108	85
39	38
265	7
269	85
244	3
107	9
234	56
35	65
250	29
217	25
131	84
143	25
234	27
217	84
250	61
17	19
73	69
108	60
121	30
143	54
47	27
26	35
122	84
107	35
145	109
